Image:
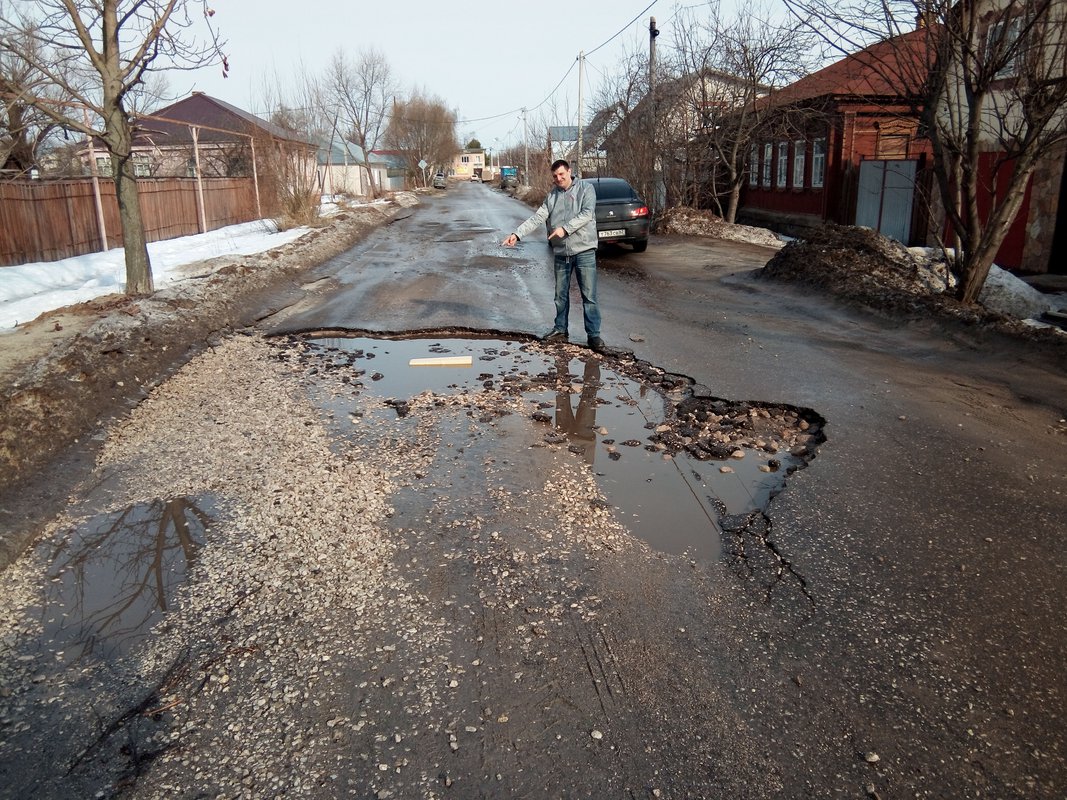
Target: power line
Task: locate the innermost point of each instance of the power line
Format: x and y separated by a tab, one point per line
485	119
679	9
549	97
554	90
624	27
517	110
561	80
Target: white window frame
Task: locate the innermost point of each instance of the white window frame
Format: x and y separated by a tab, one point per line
783	164
768	152
753	166
142	167
1009	30
799	152
818	162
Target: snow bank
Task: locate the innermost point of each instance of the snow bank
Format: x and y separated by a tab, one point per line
1006	294
28	290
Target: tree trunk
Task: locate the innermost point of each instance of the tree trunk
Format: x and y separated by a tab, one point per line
737	178
138	267
119	138
980	251
374	193
734	202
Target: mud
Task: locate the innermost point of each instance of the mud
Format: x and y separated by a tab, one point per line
71	372
859	266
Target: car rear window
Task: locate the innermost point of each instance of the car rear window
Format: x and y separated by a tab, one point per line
613	190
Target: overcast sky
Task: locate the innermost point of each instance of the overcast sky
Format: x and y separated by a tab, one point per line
483	60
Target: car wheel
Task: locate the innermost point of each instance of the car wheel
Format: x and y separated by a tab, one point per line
640	247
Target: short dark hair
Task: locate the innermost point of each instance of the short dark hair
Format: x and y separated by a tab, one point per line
560	163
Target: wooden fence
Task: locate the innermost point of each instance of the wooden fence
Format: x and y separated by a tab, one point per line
46	220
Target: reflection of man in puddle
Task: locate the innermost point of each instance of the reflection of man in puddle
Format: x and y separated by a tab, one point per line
578	425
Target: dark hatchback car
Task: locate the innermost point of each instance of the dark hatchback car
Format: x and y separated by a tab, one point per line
621	215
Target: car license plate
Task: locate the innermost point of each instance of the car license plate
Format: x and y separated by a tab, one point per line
606	234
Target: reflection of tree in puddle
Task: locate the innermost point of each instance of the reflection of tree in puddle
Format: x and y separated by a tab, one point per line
113	575
578	425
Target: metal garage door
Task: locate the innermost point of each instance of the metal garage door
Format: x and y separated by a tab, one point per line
885	197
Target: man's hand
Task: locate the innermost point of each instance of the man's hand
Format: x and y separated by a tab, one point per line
558	233
511	241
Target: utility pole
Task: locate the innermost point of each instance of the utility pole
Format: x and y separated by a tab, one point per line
653	32
578	155
526	151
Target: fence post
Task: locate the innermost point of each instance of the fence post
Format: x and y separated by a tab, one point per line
255	177
96	186
202	217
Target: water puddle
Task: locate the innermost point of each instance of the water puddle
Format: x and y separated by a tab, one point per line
113	576
672	464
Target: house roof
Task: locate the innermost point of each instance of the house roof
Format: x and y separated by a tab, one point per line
602	124
334	154
674	90
393	159
339	152
891	68
201	109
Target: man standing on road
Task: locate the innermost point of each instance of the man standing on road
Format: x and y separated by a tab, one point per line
570	211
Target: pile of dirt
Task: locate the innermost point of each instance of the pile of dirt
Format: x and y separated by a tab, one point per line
861	265
693	222
72	369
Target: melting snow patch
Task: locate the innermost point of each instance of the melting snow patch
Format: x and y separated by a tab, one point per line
1006	294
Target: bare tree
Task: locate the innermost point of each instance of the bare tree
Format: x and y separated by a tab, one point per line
360	94
739	59
24	130
299	106
991	94
97	53
629	139
423	128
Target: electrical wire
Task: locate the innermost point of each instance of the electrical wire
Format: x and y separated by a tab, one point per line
549	97
556	88
526	108
624	27
561	80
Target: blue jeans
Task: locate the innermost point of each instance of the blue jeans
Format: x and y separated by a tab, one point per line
584	267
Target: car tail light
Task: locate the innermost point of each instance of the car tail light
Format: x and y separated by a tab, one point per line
640	212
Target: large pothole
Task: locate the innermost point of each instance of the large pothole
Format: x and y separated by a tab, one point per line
673	463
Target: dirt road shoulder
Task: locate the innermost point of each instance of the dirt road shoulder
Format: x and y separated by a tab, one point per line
67	373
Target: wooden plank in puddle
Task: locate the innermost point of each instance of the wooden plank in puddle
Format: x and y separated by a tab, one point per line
442	361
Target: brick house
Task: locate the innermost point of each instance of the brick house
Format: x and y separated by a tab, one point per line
842	145
845	146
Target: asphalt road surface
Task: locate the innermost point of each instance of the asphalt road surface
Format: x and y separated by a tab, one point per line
437	604
929	533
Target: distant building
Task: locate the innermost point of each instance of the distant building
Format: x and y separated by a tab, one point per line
224	136
469	162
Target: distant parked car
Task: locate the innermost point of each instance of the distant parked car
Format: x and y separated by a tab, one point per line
476	178
621	214
439	181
